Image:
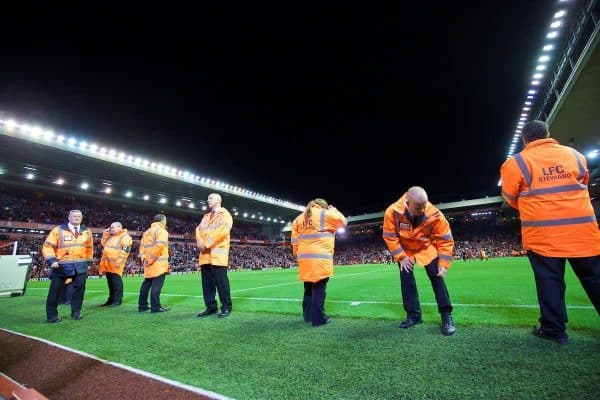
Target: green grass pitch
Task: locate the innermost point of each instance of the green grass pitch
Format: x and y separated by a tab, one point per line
265	351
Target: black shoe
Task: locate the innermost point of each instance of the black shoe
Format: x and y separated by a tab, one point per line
539	332
206	313
410	321
161	309
106	303
53	320
143	308
115	304
328	320
448	328
76	316
224	313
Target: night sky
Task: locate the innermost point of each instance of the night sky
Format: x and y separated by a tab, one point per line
353	103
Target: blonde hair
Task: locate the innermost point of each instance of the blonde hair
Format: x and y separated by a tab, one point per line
321	203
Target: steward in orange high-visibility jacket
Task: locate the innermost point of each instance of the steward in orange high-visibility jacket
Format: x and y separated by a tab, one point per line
154	253
313	241
212	239
414	229
117	245
547	183
69	252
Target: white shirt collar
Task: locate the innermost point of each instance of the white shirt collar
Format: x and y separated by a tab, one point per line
72	227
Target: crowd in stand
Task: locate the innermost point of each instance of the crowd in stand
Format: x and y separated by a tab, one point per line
99	215
357	246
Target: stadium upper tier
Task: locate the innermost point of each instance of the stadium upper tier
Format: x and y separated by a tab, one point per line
34	156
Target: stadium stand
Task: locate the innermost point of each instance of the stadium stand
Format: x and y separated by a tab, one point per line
474	230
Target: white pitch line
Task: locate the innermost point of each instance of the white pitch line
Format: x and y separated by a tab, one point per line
205	393
296	282
573	307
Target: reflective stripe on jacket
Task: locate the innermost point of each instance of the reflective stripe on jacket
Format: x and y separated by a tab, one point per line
116	251
547	183
154	247
74	254
214	233
313	242
431	239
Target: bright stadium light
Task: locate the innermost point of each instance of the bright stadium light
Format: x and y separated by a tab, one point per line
36	132
203	208
552	35
548	47
535	82
146	197
48	136
178	203
538	75
30	176
191	205
162	200
341	230
108	190
128	194
560	14
593	154
10	125
555	24
531	92
540	68
84	185
245	215
115	155
544	59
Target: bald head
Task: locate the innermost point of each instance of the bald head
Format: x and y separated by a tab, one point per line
115	228
214	201
417	194
416	200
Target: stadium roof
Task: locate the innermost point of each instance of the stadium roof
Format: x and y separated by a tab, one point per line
37	156
565	86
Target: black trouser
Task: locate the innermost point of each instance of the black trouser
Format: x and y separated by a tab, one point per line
66	293
154	286
214	278
313	303
115	288
56	284
549	275
410	296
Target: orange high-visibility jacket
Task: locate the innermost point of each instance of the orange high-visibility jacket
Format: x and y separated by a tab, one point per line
74	254
547	183
116	251
313	242
213	232
154	247
430	240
